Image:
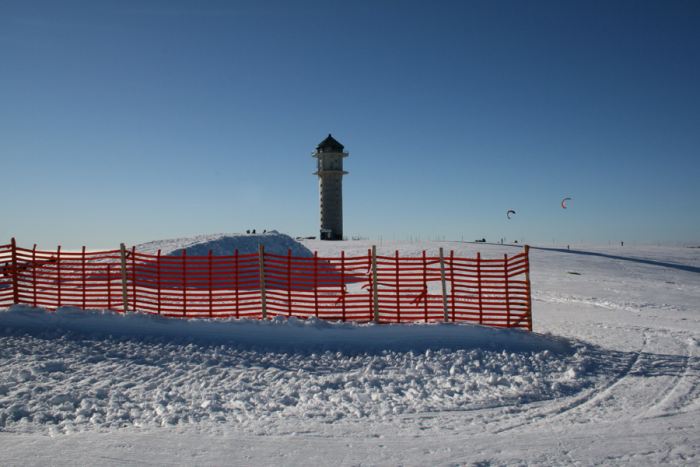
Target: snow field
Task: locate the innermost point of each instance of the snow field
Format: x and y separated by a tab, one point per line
610	377
56	380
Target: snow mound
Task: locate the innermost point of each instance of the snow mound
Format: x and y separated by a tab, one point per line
282	333
226	244
73	371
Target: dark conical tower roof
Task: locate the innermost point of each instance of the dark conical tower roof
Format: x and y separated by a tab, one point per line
329	145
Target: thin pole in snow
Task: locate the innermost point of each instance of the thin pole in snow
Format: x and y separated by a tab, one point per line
505	270
375	289
15	273
211	286
478	282
84	277
125	289
261	265
158	281
528	289
444	285
58	274
34	274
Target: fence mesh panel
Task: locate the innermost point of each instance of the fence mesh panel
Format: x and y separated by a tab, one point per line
493	291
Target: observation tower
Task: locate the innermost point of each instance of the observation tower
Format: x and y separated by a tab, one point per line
329	154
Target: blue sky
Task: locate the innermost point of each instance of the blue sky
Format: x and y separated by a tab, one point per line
131	121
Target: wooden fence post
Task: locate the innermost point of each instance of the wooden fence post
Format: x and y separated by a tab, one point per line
342	281
444	285
235	275
375	288
505	270
398	288
58	276
211	286
478	284
184	282
316	284
527	288
133	278
159	284
125	289
15	272
84	274
34	267
289	282
261	265
452	281
425	287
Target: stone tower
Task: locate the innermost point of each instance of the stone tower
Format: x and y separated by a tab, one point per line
329	154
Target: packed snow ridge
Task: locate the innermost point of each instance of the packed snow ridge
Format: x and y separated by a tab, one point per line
226	244
281	333
74	370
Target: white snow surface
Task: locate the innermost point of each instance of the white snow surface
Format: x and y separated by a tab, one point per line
226	244
610	376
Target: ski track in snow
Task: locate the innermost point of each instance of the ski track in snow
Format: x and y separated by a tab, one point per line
628	391
679	388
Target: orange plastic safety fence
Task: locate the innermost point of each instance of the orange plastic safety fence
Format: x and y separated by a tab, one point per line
494	291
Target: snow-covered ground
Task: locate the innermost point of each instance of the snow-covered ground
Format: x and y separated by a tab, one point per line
611	376
225	244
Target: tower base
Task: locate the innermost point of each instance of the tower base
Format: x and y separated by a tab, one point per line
328	234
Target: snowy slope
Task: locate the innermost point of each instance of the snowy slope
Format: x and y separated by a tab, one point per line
611	377
226	244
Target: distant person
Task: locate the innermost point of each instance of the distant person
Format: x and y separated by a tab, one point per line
265	231
253	230
247	231
622	243
567	247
